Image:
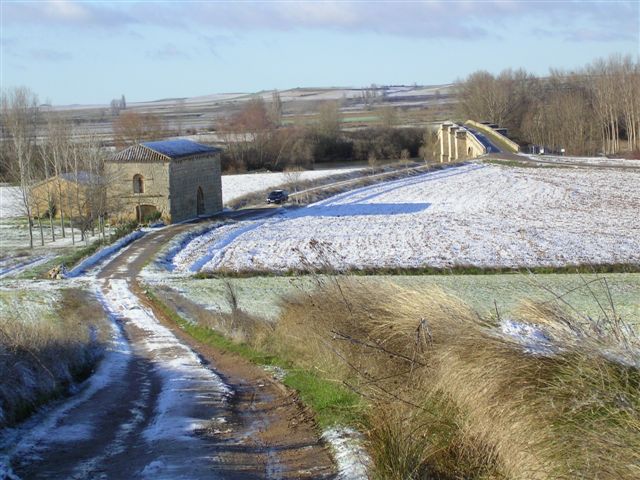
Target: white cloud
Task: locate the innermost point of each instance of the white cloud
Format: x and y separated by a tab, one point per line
67	10
462	20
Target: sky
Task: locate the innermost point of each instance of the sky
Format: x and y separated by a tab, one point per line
71	52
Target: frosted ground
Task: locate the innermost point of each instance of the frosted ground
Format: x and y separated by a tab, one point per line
603	161
589	294
16	257
236	186
480	215
10	202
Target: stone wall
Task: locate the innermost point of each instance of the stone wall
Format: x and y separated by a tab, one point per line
186	175
123	201
171	187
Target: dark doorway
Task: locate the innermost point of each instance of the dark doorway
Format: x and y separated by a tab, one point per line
200	202
145	213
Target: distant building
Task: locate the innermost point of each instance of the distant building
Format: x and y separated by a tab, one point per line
175	179
79	195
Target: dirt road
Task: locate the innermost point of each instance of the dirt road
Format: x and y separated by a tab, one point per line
157	409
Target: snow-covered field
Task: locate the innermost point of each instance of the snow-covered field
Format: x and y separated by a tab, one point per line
598	161
236	186
482	215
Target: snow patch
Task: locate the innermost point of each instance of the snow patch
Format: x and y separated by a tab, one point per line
166	257
103	253
181	370
6	473
75	432
599	161
351	458
533	339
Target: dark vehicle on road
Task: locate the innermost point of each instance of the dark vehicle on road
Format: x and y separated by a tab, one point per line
278	196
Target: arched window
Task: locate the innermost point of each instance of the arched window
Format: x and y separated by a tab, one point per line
138	183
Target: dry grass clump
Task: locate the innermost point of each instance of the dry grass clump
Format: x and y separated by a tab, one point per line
235	325
454	396
39	358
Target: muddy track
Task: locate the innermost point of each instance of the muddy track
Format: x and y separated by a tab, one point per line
164	406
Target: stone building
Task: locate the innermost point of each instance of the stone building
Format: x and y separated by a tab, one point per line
76	195
175	179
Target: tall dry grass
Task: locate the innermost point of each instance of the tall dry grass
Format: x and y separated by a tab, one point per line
40	359
454	396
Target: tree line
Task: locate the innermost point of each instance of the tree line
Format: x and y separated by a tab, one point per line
257	138
61	178
590	110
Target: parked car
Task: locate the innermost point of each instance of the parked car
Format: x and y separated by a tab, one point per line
278	196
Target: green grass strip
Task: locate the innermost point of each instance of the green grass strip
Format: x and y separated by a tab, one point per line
332	403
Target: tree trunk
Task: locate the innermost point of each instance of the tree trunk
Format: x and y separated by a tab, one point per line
41	231
30	233
53	230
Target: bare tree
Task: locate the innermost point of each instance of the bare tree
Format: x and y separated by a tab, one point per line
405	157
20	111
373	161
132	127
429	147
292	176
87	193
584	111
484	98
276	108
179	114
388	117
329	119
247	133
54	150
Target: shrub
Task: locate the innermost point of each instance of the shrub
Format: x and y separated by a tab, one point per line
40	357
454	396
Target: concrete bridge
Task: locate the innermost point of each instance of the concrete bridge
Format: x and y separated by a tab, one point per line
458	143
471	140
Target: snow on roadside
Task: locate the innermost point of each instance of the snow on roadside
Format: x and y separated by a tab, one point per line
165	259
482	215
236	186
103	253
180	368
348	451
200	249
27	439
